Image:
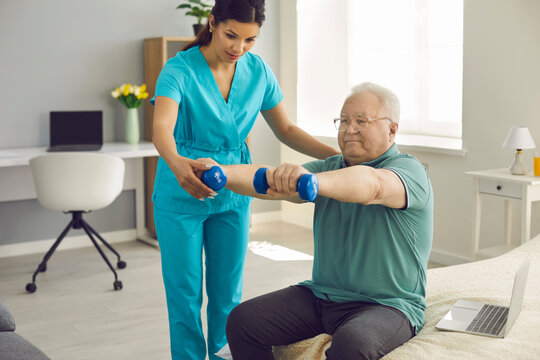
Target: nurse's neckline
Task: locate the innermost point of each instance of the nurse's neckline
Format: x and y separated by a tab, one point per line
220	73
213	60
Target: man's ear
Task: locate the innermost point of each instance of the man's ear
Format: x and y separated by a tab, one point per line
393	130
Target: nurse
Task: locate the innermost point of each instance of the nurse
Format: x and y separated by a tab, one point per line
206	101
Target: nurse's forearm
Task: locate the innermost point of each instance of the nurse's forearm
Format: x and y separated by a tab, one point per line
301	141
165	117
294	137
165	144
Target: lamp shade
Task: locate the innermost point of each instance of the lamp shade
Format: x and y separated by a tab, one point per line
519	137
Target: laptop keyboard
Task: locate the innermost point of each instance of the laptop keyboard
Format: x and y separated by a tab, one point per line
489	320
80	147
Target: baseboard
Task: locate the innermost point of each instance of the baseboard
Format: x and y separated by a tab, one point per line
446	258
298	218
79	241
70	242
265	217
299	221
302	216
438	256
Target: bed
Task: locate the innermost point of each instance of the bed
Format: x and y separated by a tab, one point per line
488	281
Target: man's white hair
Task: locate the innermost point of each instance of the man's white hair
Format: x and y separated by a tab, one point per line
387	98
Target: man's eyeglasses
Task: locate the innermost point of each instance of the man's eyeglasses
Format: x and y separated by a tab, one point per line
359	123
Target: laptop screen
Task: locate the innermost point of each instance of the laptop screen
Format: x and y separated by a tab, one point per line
76	128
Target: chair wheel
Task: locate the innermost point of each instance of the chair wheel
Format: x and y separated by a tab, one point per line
121	264
43	268
117	285
31	287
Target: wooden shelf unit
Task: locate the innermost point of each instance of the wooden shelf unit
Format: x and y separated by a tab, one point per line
156	53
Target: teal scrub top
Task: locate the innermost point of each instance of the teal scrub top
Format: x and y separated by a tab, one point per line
209	127
374	253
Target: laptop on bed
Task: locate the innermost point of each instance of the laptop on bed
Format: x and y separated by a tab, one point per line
76	130
484	319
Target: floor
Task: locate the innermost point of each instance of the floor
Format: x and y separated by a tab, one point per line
76	314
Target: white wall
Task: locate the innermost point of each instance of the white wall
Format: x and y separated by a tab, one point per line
501	89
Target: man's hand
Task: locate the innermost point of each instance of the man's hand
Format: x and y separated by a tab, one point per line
284	179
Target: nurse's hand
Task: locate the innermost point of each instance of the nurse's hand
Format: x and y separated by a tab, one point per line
188	173
208	161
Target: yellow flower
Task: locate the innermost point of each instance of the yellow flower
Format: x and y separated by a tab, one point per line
142	95
115	93
124	94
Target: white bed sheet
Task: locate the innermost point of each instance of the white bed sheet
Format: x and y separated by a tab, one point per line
489	281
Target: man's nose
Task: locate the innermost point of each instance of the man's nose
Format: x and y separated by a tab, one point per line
351	129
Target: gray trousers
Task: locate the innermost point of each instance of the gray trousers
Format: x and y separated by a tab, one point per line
359	330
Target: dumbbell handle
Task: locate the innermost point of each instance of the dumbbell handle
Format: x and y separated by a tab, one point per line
214	178
307	186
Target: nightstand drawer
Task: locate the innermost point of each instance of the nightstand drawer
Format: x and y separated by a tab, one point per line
497	187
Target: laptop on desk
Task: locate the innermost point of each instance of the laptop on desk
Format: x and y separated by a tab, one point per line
76	130
484	319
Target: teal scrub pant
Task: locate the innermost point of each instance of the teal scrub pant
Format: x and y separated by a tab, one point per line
182	237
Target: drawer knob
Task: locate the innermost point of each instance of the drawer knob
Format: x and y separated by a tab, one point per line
499	187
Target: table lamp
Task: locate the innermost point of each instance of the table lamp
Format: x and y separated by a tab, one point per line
519	138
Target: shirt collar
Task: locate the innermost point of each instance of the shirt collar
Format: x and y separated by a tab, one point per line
392	151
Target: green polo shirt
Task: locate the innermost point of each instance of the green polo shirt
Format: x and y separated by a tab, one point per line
374	253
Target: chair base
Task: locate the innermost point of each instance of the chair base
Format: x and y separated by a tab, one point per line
77	222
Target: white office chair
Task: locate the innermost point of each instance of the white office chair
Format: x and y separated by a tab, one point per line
77	183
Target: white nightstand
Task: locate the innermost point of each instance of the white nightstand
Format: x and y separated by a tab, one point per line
500	183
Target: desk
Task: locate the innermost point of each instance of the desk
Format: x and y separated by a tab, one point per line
16	182
500	183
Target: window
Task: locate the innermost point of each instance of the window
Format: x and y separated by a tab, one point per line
413	47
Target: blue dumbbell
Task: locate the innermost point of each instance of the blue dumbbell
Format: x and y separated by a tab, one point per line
308	185
214	178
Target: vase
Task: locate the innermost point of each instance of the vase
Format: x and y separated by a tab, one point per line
132	126
197	28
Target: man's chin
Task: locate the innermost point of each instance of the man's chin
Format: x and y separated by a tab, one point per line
354	158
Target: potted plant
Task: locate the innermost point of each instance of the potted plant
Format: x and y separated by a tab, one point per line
198	9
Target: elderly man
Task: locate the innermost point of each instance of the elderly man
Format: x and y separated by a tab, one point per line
372	229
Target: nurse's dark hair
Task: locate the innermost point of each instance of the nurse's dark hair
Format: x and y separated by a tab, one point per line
244	11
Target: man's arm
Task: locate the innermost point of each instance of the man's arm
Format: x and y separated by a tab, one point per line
240	180
355	184
364	185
